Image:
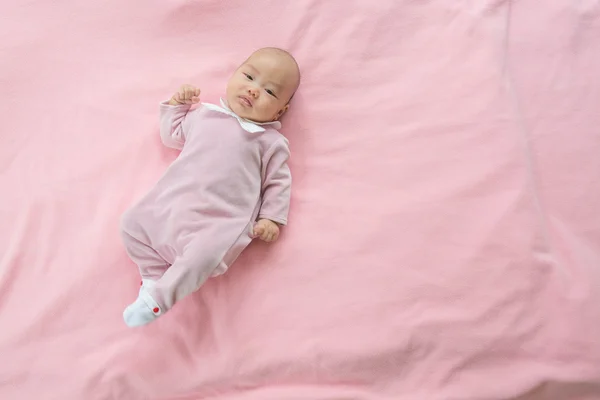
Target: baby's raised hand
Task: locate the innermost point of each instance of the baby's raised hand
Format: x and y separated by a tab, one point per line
187	94
266	230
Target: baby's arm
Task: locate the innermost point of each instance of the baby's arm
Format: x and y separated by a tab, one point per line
277	184
174	120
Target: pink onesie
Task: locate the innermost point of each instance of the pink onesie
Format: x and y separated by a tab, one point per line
199	217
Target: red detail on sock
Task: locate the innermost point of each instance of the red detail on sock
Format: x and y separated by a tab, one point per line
155	309
141	283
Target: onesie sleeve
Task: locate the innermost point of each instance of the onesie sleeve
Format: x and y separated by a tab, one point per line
277	184
175	124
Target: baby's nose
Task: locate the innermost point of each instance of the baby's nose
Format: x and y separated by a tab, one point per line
253	91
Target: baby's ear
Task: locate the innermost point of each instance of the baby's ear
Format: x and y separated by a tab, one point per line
282	111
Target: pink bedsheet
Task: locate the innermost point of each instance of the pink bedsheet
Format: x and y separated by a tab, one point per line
444	240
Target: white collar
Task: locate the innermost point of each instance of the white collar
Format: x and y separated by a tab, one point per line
246	124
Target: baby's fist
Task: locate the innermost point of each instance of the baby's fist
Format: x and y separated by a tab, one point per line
266	230
187	94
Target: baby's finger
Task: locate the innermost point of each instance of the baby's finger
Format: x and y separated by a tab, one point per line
197	92
180	99
191	91
195	99
264	236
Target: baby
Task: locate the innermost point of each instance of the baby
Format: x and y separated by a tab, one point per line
231	183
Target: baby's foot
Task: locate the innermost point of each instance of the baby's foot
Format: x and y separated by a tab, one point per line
146	283
142	311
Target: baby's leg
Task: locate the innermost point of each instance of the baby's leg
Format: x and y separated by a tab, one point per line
182	278
185	276
151	265
199	260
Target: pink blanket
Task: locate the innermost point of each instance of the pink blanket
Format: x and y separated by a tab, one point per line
444	239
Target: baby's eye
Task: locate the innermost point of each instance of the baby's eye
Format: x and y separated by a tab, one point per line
271	92
249	77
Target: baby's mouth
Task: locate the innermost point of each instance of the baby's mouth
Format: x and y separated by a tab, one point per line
245	101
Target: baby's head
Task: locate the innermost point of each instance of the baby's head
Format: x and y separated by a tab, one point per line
261	88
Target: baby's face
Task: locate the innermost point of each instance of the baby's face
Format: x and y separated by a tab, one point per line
261	87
